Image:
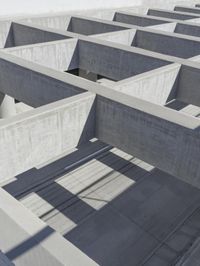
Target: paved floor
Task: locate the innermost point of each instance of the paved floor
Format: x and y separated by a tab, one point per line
117	209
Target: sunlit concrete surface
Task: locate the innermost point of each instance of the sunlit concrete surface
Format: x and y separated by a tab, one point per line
99	135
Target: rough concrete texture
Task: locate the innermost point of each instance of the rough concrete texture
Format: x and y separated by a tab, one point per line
44	133
100	166
149	87
7	106
60	55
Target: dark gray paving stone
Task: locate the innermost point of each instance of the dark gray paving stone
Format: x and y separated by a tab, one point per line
158	203
111	239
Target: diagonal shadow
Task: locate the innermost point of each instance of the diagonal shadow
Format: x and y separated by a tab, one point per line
29	243
42	181
62	199
33	179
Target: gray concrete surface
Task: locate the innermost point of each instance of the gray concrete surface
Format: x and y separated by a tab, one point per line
132	83
138	19
172	117
21	35
33	243
41	134
148	86
187	9
172	14
112	198
81	26
161	42
174	158
61	55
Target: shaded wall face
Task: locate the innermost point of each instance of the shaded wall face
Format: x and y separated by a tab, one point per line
187	30
86	27
23	35
168	45
137	20
113	63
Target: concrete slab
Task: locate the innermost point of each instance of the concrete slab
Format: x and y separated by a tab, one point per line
126	241
168	197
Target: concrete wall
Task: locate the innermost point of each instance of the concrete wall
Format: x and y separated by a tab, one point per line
20	34
189	85
187	9
124	37
186	28
183	47
39	135
168	27
150	133
144	38
114	63
55	21
157	86
87	27
158	135
61	20
60	55
171	14
192	30
32	84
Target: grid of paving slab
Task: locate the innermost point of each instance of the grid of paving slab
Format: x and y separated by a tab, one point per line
100	138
